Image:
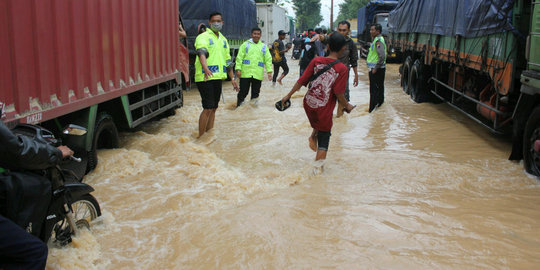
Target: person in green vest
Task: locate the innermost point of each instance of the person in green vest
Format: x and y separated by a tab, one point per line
212	64
253	57
376	63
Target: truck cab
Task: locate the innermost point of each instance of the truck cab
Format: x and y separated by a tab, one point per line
374	12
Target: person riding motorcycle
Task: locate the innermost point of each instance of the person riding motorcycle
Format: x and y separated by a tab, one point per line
23	197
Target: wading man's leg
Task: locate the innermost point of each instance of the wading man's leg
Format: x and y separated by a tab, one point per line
373	92
211	119
244	90
276	73
323	141
210	95
255	88
313	140
285	72
203	121
380	80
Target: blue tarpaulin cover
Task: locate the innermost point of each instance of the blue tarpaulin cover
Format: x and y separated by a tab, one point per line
239	17
467	18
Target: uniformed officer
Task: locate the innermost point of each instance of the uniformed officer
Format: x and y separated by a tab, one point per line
211	66
253	57
376	62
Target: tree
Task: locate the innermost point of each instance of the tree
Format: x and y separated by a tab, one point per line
349	9
308	13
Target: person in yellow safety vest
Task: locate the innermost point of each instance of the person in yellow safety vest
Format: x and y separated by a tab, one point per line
376	62
211	65
253	56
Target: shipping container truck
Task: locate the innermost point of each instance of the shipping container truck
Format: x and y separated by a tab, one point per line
100	64
480	57
272	18
239	17
376	11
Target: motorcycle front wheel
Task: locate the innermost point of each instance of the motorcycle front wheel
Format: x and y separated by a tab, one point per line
85	209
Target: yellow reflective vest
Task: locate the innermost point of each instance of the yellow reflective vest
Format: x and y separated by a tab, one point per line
252	58
373	56
219	55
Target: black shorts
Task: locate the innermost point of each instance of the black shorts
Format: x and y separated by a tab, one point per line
210	93
323	140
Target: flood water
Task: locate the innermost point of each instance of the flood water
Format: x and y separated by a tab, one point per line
410	186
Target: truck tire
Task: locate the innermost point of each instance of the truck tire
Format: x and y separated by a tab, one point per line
407	65
105	136
531	143
417	82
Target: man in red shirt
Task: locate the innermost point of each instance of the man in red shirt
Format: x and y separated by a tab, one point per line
325	90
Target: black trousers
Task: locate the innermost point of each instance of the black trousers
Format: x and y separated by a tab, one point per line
19	249
376	88
245	83
282	64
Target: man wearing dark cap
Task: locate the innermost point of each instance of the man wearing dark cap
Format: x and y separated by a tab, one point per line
278	57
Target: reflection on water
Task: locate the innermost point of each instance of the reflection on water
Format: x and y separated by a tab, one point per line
408	186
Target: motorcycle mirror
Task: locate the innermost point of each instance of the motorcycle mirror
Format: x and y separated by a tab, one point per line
74	130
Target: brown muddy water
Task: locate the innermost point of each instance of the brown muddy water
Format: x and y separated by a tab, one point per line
410	186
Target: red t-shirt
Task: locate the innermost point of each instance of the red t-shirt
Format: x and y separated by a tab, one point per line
320	99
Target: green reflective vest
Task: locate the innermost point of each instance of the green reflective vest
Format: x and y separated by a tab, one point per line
218	55
252	58
373	56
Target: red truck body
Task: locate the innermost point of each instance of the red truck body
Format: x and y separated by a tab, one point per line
61	56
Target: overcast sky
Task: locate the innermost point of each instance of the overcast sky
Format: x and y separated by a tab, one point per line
325	10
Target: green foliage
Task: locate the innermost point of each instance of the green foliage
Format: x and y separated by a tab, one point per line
308	13
349	8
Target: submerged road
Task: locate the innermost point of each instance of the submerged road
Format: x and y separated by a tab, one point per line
410	186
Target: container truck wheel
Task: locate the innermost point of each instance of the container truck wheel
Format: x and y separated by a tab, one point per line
105	136
417	82
531	143
407	65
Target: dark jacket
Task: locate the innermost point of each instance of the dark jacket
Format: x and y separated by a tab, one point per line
350	56
19	152
25	196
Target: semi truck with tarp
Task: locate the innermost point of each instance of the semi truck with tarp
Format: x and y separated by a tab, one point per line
102	65
239	17
376	11
481	58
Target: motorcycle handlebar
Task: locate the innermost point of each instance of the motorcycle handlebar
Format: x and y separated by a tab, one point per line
75	158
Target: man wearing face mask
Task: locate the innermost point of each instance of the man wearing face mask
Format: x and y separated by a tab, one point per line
212	64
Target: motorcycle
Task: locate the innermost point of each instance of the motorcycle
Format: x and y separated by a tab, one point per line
296	53
72	207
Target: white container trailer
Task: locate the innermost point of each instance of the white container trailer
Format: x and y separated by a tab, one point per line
271	18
